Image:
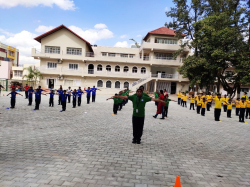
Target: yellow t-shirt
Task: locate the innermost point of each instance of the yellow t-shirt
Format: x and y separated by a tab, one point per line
230	106
218	102
184	98
248	103
237	103
203	104
243	105
192	99
225	100
244	96
179	95
209	98
203	96
199	101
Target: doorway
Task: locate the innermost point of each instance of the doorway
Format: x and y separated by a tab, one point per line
90	69
51	83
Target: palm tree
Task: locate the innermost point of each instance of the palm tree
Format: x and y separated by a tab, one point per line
136	43
33	74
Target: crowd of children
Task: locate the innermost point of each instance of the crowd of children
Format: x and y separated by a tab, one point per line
203	103
63	95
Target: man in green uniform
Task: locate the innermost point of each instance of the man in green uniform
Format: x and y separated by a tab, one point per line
139	101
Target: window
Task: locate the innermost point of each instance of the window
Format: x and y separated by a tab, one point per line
78	82
126	85
125	69
112	54
124	55
104	54
117	84
99	67
68	82
117	68
143	70
74	51
100	84
108	84
18	73
52	49
73	66
166	41
134	70
51	65
164	56
131	56
108	68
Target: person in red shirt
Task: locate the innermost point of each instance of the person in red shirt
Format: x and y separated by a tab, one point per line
160	107
26	88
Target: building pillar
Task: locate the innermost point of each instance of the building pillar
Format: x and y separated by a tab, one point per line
155	86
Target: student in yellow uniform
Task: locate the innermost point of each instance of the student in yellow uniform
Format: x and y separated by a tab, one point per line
237	105
209	101
229	108
179	97
248	108
203	106
244	96
217	107
202	95
198	103
184	100
225	101
192	99
182	95
243	105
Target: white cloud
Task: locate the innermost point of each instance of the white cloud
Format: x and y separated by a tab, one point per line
63	4
138	35
43	28
93	35
166	9
6	32
122	44
123	36
100	26
23	41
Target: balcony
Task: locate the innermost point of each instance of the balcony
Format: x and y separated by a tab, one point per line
165	76
162	47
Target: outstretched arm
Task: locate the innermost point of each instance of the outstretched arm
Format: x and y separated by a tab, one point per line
19	94
158	100
44	94
110	98
121	97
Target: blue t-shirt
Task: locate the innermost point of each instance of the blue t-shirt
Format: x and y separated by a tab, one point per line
30	92
64	97
40	90
37	95
79	93
13	95
51	94
88	92
74	95
60	92
93	91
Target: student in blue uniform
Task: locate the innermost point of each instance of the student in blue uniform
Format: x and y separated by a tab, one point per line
30	95
64	99
79	93
88	91
74	94
38	98
94	93
60	92
40	90
13	97
51	98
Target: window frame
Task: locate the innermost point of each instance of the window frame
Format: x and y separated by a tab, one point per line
119	68
97	83
124	68
110	68
74	52
47	67
110	84
145	70
136	69
52	49
97	67
119	84
73	64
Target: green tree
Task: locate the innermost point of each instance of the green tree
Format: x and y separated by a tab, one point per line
33	74
136	43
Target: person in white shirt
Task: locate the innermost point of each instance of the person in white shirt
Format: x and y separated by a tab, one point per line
69	90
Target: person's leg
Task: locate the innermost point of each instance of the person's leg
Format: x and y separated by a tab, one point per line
120	106
12	101
50	101
219	113
225	108
26	94
79	101
162	112
230	112
179	101
59	100
237	111
93	98
114	109
140	128
37	104
68	98
166	111
30	100
134	123
243	114
186	104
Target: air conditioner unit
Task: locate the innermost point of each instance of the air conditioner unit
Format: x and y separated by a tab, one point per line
59	61
60	77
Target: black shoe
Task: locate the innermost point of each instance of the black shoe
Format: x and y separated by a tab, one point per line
133	141
138	142
49	106
154	116
162	118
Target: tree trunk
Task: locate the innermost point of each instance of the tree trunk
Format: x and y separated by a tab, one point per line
218	86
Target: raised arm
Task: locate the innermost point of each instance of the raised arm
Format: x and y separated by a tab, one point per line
158	100
121	97
110	98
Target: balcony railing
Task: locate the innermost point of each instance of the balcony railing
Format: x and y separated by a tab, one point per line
164	58
165	76
90	71
89	54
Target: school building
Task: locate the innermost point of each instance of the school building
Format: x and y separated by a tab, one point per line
69	60
9	53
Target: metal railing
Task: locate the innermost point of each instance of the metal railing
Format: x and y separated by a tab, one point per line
139	81
164	58
165	76
90	71
89	54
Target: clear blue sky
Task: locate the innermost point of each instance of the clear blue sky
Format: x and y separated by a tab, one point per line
128	17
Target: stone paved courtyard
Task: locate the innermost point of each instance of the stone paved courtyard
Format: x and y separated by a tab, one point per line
88	146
